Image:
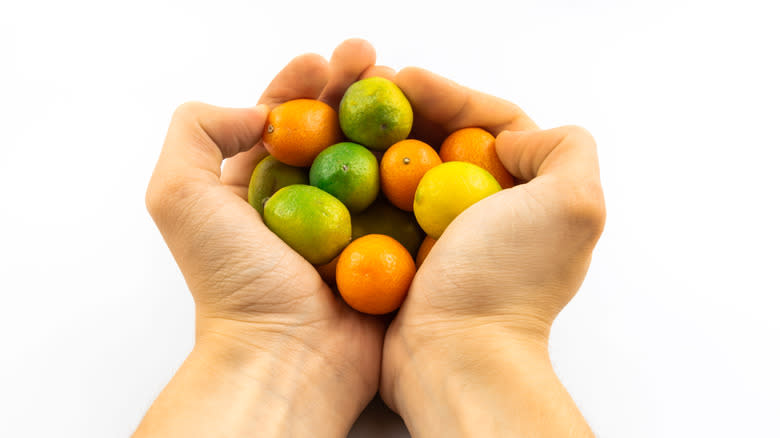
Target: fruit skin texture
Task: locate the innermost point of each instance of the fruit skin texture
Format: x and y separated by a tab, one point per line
373	274
375	113
383	218
312	222
425	248
402	167
477	146
269	176
349	172
447	190
298	130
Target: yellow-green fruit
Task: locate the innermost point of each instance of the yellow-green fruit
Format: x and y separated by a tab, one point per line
375	113
269	176
447	190
383	218
310	221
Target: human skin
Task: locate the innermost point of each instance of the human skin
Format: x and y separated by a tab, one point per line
276	352
467	353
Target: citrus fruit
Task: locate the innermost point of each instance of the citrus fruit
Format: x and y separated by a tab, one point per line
425	248
349	172
297	130
383	218
402	167
477	146
448	189
269	176
310	221
373	274
375	113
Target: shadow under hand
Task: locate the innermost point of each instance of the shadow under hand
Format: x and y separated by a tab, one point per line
377	420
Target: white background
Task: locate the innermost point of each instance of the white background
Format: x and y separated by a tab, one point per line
674	332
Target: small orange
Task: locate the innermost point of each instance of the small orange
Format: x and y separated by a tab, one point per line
373	274
476	146
402	167
297	130
425	248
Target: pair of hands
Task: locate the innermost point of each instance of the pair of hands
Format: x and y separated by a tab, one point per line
277	352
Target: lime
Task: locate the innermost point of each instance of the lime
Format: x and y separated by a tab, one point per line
269	176
374	112
447	190
349	172
310	221
383	218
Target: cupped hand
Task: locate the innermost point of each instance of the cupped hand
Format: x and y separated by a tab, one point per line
505	267
253	294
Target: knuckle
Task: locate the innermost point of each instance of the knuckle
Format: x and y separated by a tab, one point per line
585	209
187	111
155	199
150	200
578	133
162	194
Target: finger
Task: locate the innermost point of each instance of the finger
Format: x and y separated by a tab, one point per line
381	71
304	77
349	60
199	138
568	151
454	106
562	165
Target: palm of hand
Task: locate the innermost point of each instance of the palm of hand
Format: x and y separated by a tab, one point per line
512	261
477	247
489	266
247	284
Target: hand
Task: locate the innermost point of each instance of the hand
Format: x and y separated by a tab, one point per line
470	340
275	349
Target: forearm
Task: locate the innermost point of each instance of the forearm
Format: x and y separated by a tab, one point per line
488	387
226	389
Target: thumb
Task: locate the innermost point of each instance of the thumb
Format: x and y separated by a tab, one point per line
562	170
568	152
200	136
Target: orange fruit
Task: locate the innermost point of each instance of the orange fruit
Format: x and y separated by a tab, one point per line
298	130
373	274
476	146
402	167
425	248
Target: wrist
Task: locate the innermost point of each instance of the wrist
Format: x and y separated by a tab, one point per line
479	383
311	391
233	384
447	355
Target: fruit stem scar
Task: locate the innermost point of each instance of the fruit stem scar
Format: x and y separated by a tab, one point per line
270	128
344	167
407	160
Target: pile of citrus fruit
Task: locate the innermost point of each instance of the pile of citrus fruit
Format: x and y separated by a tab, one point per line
354	196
